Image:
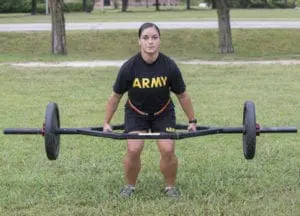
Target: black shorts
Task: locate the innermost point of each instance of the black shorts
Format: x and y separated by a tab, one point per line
164	122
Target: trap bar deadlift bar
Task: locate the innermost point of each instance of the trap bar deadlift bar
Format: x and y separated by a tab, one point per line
98	132
51	131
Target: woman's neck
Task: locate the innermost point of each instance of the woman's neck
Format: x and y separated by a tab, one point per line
149	58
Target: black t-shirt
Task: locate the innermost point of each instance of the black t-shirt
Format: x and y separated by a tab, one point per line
149	85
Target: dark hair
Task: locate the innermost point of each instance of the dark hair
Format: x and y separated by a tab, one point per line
148	25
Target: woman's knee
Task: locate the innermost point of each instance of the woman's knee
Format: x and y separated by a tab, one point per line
166	148
134	147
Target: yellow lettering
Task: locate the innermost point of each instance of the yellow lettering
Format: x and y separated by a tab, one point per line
170	129
146	82
155	82
164	80
136	83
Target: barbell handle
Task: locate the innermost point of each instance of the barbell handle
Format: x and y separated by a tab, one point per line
23	131
278	130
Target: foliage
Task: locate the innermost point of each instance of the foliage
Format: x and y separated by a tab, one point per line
15	6
77	6
25	6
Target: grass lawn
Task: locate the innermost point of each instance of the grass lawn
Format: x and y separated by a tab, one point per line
144	14
214	177
183	44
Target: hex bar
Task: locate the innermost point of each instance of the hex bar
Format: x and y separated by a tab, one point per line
179	135
99	133
201	131
178	127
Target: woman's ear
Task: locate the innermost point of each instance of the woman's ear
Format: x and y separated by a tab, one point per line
139	42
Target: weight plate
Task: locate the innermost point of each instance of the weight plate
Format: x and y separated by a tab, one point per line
52	124
249	134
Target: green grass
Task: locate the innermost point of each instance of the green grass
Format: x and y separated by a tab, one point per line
213	175
144	14
180	44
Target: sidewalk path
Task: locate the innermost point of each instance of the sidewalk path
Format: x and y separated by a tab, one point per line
118	63
162	25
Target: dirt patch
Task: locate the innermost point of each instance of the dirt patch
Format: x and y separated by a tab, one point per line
118	63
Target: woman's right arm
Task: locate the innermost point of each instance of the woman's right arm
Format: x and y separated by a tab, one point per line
111	108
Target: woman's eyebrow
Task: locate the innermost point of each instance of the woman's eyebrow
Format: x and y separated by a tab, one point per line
150	35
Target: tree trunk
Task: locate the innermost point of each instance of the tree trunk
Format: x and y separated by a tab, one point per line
33	7
84	5
124	5
116	4
225	39
157	5
214	4
188	4
58	27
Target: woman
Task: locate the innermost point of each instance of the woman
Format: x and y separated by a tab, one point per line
149	77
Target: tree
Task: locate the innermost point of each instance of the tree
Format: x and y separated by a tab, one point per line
213	3
157	5
225	39
124	5
33	7
58	27
84	5
188	4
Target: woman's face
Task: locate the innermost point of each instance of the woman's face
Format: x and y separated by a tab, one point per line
149	40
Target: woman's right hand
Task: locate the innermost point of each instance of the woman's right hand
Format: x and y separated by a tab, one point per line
107	128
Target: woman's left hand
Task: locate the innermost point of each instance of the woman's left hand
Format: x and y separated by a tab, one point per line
107	128
192	127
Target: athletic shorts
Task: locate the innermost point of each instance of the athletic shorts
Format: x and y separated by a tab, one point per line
164	122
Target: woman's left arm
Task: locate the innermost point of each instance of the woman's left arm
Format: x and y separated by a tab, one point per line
187	106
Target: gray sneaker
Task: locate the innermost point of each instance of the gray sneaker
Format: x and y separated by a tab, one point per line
172	192
127	191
